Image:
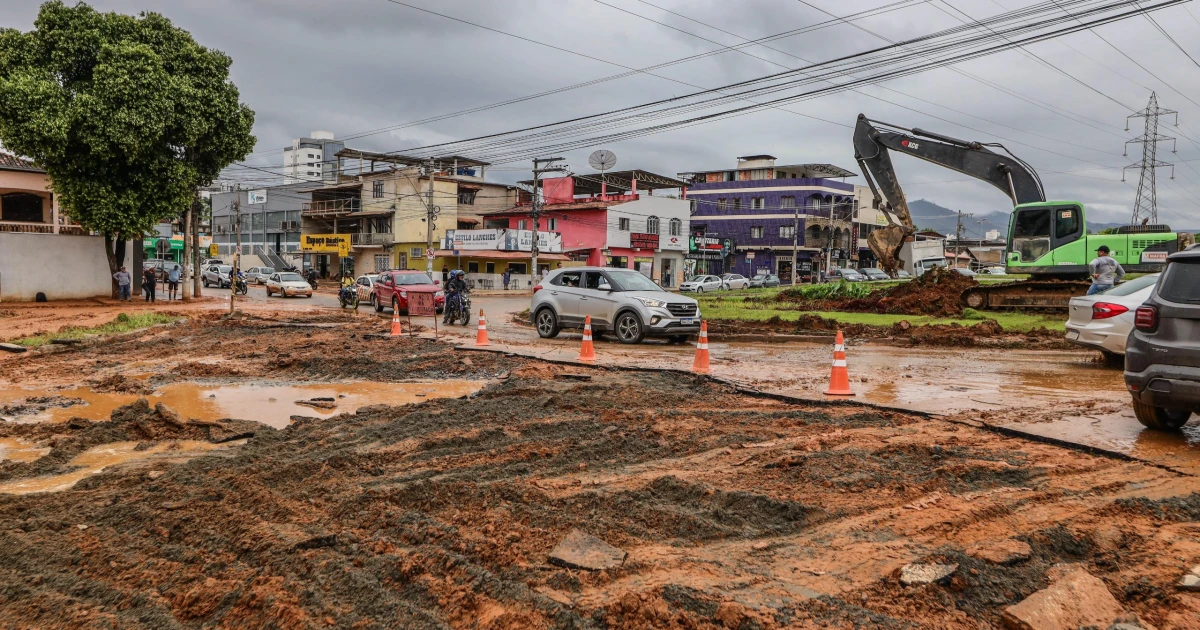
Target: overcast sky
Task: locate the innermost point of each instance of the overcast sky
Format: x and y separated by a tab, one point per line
350	66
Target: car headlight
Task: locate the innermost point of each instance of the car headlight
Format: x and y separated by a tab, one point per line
404	295
651	302
439	294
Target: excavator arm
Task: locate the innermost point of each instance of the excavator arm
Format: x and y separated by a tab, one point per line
1010	174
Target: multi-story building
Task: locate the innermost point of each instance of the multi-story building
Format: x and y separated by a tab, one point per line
27	203
867	218
612	221
312	159
383	208
759	212
270	222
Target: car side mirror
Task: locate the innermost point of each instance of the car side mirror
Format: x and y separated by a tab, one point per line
604	286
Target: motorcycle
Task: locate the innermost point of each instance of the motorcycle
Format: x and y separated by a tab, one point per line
348	296
240	287
312	282
458	308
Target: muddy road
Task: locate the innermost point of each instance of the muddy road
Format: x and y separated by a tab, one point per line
729	510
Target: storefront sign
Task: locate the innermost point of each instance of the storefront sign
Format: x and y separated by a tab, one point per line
256	197
474	239
643	240
522	241
327	243
749	255
676	243
709	246
645	266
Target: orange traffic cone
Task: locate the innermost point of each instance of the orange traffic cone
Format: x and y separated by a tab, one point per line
395	324
587	352
481	338
700	365
839	379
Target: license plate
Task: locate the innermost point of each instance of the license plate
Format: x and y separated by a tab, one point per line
1072	334
687	321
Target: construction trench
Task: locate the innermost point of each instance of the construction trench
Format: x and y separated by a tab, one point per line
315	473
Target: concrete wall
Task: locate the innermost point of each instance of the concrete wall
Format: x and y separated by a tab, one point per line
59	265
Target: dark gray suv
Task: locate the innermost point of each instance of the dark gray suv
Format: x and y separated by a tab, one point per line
622	302
1162	355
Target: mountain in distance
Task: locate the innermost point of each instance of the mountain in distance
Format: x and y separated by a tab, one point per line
929	215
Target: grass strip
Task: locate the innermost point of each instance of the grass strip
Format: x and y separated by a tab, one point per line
120	324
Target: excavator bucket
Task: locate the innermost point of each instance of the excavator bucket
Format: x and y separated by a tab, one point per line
886	243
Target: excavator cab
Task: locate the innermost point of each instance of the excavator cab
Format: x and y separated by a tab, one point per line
1036	230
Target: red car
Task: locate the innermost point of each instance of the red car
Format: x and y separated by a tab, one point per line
392	289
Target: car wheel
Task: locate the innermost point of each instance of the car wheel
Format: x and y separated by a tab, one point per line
268	291
629	328
699	289
377	304
547	324
205	282
1160	418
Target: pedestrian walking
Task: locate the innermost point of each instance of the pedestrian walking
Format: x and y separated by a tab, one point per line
149	283
173	283
124	283
506	276
1106	271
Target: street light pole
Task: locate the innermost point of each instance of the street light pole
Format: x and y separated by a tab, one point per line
536	214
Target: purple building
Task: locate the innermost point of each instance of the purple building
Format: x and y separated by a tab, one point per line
758	205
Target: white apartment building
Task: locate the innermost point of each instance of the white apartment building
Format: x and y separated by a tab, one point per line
313	159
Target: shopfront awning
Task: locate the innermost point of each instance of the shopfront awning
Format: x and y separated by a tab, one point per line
495	254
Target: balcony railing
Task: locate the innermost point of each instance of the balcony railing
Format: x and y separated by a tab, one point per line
372	239
330	207
38	228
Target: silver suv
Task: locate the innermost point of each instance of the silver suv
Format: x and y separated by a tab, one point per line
621	301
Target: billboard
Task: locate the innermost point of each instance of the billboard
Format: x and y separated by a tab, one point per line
326	243
256	197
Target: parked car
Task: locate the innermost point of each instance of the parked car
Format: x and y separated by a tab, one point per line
995	271
700	284
1103	321
964	271
392	289
159	265
366	288
1162	357
620	301
764	280
217	275
849	275
903	275
259	275
287	284
734	281
871	273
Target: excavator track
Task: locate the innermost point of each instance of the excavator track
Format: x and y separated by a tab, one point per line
1026	294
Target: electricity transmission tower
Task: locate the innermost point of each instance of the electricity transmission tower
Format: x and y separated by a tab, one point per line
1145	206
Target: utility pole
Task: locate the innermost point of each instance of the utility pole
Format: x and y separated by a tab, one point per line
957	237
795	243
237	255
187	243
543	165
195	260
1145	205
431	212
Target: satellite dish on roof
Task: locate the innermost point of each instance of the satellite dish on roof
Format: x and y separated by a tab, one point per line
602	160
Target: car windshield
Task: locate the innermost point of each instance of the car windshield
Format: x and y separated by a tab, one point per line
411	278
1181	282
290	277
224	268
1133	286
872	270
631	281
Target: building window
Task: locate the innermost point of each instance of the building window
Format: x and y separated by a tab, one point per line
786	231
416	252
787	202
521	224
758	203
466	197
623	224
722	204
737	204
552	224
652	225
756	231
676	227
377	189
692	206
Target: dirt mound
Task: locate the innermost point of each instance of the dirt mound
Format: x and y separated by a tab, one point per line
38	404
938	292
120	383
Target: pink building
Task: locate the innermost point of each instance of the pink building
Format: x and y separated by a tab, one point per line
614	221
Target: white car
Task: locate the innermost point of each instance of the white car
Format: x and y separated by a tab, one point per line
288	284
1103	321
366	288
259	275
700	284
735	281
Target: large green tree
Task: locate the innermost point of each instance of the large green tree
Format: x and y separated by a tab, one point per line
128	115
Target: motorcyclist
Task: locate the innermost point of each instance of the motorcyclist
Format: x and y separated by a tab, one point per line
454	289
312	277
348	289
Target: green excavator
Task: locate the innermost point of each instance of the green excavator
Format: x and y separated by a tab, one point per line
1048	240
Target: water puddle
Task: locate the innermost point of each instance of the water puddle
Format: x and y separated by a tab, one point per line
1122	432
97	459
270	403
16	450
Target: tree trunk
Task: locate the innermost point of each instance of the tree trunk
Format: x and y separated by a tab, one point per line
114	250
